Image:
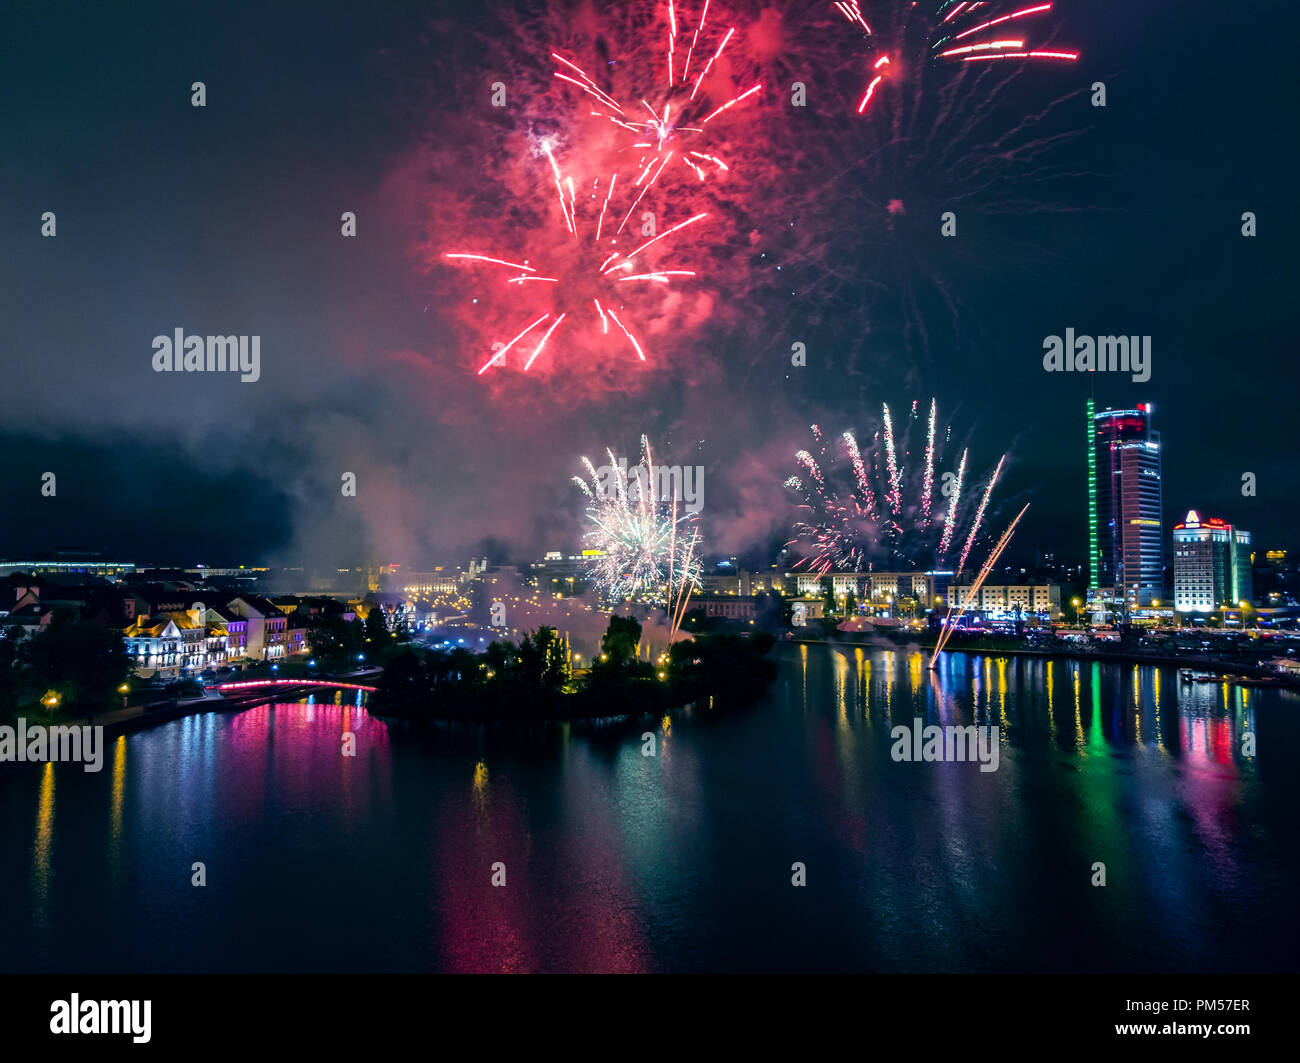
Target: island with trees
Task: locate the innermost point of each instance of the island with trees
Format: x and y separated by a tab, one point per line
535	680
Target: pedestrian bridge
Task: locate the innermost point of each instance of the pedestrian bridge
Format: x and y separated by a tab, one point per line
256	684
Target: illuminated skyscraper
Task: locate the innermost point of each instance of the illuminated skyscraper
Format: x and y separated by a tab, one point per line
1211	565
1125	513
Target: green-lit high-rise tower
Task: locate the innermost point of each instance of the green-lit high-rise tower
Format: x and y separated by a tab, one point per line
1125	519
1092	504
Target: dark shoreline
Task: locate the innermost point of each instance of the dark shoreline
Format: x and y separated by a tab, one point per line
1213	664
158	713
588	705
170	711
551	717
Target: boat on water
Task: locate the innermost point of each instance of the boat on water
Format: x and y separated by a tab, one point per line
1188	676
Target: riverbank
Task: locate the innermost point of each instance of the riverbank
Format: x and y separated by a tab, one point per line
630	699
140	717
1218	665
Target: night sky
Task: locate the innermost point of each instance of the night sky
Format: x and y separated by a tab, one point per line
225	219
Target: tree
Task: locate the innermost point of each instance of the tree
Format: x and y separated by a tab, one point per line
334	640
850	604
9	673
828	596
357	634
501	658
544	660
405	682
620	641
460	666
377	626
83	661
774	609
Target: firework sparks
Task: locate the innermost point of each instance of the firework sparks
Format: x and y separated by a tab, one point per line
646	548
927	485
675	124
845	530
585	274
938	27
895	493
601	148
661	108
949	522
973	591
979	515
940	133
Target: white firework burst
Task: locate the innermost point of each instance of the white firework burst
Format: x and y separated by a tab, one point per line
647	543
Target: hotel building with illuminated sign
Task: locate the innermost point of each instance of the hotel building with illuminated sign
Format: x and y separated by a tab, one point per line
1212	565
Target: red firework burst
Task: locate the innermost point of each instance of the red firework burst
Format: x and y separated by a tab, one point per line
948	32
669	117
585	272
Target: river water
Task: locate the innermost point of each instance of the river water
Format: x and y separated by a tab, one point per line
618	861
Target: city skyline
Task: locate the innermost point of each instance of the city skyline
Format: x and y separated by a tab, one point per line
648	486
352	326
1094	550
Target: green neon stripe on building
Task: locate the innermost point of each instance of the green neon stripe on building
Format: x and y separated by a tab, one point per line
1093	556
